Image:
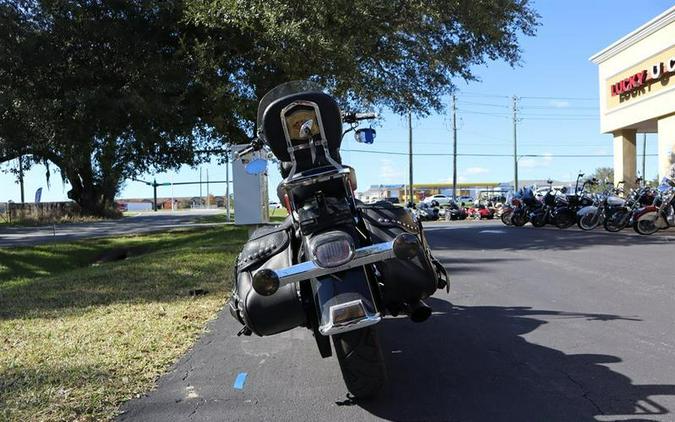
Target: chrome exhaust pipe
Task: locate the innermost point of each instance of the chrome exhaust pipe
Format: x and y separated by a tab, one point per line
418	311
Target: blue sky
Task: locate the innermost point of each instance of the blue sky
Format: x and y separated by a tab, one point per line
555	66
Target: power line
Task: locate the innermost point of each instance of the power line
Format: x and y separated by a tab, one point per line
479	94
557	108
484	113
505	143
535	116
560	118
483	104
562	98
489	155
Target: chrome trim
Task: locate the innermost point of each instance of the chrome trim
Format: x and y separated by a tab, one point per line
309	269
323	142
332	328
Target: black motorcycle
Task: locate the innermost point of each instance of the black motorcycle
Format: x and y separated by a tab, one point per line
543	215
524	203
564	215
335	266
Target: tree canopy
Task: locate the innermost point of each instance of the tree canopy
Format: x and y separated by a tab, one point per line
107	90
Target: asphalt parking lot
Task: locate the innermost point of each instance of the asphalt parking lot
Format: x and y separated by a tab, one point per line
540	325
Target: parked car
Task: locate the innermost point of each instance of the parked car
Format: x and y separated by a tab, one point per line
440	198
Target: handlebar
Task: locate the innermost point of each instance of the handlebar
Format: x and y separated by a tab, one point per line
255	145
355	117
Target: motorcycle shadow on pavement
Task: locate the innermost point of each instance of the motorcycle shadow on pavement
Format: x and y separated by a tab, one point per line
471	363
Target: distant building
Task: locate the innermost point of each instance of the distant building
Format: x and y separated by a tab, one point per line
379	192
423	190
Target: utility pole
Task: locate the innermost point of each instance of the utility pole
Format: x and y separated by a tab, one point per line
21	178
154	195
515	145
454	148
227	184
410	159
200	187
208	199
644	154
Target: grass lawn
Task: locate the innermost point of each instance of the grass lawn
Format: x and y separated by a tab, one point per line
276	216
79	336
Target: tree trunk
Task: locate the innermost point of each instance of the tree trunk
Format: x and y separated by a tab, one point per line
95	197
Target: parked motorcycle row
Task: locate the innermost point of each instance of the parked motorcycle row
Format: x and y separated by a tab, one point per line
433	211
645	209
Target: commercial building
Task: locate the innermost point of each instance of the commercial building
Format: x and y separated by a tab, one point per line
637	93
423	190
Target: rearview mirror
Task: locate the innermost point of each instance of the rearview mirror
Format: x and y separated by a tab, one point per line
256	166
365	135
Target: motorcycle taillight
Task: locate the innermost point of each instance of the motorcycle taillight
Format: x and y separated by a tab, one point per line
332	249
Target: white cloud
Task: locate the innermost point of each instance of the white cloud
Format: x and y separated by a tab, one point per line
476	170
389	171
534	162
559	103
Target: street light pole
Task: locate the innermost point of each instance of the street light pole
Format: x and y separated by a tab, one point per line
644	155
454	148
227	185
410	158
21	178
154	195
515	146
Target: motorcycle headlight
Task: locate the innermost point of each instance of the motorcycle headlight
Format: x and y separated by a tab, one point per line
332	249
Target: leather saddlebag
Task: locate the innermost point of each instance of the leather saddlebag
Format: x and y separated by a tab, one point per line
268	247
404	281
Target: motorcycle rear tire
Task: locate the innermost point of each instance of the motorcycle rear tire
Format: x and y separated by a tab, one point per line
588	222
611	220
506	219
361	361
518	220
564	221
645	227
538	221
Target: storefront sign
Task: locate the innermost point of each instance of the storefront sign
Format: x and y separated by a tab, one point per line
655	72
652	75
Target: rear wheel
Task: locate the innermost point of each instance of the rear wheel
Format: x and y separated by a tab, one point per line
564	220
616	221
538	220
518	219
361	362
646	226
506	218
588	221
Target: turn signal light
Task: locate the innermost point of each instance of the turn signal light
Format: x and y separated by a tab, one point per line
266	282
406	246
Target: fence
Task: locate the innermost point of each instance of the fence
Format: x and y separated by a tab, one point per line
47	212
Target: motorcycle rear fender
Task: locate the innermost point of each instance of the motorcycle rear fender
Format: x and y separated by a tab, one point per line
344	301
591	209
649	212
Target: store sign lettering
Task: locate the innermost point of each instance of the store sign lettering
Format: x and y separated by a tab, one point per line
641	78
